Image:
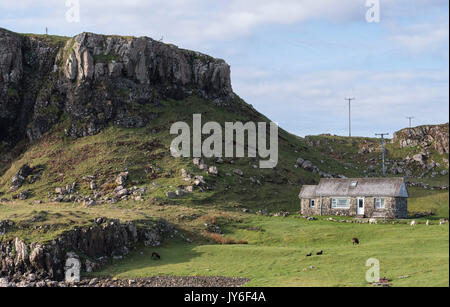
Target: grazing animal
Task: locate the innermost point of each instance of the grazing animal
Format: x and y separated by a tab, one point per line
443	221
319	253
373	221
355	241
309	255
413	223
428	223
156	256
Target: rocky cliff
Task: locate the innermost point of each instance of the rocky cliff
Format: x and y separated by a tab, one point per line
434	136
91	80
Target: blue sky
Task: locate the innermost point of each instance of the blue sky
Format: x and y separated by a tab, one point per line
293	60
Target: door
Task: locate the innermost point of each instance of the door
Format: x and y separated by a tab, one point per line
360	210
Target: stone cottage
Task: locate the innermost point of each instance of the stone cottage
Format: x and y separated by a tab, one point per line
360	197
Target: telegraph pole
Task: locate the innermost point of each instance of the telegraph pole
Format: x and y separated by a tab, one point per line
383	150
349	116
410	121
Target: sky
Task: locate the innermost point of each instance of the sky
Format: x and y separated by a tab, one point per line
293	60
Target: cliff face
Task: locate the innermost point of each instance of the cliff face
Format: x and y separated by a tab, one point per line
91	80
434	136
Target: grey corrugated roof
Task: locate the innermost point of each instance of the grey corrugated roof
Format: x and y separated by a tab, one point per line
388	187
308	191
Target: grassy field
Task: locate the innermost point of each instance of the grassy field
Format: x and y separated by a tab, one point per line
275	255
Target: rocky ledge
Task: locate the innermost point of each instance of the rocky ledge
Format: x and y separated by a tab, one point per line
93	246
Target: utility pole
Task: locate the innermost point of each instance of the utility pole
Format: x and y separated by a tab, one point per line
383	150
410	121
349	116
46	31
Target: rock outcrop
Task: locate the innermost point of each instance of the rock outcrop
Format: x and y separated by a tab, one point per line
434	136
105	238
91	80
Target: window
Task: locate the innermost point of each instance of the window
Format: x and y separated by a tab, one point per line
312	203
340	203
379	203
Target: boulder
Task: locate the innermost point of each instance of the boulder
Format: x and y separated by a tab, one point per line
122	192
213	170
24	195
122	178
19	178
307	165
419	158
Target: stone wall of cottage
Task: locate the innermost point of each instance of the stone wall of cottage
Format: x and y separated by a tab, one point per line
395	208
306	209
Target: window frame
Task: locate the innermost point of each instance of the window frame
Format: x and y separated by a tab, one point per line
312	203
335	203
381	205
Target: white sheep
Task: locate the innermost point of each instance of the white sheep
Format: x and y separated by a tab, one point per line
413	223
373	221
428	223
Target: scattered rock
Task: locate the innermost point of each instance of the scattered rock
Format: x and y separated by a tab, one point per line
122	178
19	178
92	185
24	195
238	172
90	203
213	170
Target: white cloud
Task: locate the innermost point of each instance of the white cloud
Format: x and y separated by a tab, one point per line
184	19
314	103
423	37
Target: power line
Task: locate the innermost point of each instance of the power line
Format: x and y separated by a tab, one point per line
349	116
383	150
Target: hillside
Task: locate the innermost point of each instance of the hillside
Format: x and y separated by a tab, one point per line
85	141
420	152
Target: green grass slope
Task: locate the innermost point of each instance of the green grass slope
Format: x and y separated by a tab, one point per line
276	254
